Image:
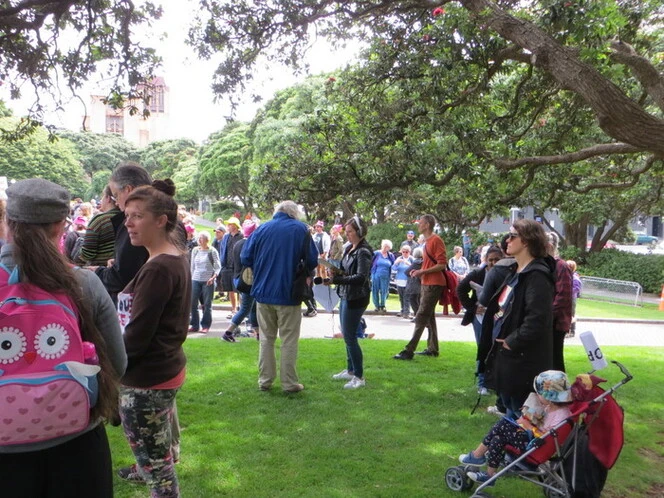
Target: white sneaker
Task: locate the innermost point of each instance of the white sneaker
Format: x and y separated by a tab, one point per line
483	391
354	383
343	375
495	411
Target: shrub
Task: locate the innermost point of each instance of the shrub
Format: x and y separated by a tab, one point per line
646	269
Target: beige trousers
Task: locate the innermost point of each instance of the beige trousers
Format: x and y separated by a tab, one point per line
284	321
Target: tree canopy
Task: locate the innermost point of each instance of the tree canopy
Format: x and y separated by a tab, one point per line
55	46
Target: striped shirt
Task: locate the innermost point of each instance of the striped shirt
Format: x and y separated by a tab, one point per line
98	246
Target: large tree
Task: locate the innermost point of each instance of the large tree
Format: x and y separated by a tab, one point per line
101	151
513	101
36	156
55	46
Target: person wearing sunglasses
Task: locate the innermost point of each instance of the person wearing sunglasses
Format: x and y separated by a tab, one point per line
523	322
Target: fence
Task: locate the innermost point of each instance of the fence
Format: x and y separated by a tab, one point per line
615	291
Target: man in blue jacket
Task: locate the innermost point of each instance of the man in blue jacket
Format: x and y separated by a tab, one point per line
273	253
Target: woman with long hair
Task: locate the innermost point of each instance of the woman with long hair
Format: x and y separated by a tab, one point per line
155	308
354	290
77	465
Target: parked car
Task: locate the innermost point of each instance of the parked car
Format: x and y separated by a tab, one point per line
643	239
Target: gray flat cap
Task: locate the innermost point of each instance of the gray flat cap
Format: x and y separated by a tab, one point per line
37	201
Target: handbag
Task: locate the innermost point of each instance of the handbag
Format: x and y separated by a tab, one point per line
299	290
245	281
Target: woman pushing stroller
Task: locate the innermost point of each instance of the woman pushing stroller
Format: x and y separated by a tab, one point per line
540	413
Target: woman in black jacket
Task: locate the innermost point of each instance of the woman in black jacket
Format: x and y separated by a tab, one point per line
354	290
468	291
523	323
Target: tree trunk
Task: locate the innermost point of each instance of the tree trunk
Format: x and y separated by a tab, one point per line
619	116
575	233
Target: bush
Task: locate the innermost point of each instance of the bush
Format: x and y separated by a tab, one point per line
389	231
646	269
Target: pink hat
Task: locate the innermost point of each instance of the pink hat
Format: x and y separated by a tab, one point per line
80	220
189	228
248	227
320	223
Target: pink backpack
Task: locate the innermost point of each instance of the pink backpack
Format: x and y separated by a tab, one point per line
46	389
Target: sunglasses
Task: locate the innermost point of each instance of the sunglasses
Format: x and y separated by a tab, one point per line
512	235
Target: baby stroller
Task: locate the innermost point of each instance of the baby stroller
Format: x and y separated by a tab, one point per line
592	437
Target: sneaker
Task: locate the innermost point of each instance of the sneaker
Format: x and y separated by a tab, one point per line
426	352
310	313
205	331
130	474
191	329
470	459
228	337
230	315
480	477
399	314
483	391
295	389
493	410
343	375
354	383
403	355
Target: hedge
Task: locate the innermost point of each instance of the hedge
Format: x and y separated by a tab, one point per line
646	269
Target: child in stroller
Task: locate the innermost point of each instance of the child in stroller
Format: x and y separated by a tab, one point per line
541	412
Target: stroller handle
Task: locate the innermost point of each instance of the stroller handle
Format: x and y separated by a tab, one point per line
623	369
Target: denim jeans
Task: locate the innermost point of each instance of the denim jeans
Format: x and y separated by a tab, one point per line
380	287
350	320
198	289
247	309
477	328
403	300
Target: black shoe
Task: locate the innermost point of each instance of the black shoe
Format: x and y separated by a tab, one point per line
228	337
404	355
426	352
309	313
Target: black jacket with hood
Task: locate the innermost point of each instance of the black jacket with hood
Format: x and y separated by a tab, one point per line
527	329
354	284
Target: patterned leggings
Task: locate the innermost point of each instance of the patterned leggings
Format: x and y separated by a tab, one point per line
147	415
501	434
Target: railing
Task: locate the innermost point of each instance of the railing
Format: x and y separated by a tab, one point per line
615	291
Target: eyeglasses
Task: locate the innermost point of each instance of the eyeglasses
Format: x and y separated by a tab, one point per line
513	235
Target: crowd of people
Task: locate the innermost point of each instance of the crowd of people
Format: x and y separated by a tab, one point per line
136	274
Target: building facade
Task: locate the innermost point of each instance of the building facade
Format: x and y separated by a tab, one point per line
136	128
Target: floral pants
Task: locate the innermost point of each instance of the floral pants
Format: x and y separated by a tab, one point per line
504	433
147	415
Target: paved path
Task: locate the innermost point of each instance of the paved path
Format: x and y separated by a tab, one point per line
606	332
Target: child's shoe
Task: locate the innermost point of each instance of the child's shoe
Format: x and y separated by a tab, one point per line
470	459
481	477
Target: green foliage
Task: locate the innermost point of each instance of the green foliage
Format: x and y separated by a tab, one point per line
36	156
389	231
185	178
225	159
647	270
5	111
221	209
164	157
98	184
101	151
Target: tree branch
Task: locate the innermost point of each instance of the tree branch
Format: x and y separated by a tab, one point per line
644	71
572	157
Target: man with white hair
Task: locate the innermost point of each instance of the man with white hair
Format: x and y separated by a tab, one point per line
273	252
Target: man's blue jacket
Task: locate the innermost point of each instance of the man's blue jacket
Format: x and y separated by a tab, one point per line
273	252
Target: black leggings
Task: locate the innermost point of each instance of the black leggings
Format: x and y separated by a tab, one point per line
79	468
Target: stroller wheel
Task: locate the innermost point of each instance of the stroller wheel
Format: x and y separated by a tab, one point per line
457	480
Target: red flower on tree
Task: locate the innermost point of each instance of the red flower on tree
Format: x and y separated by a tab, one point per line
438	11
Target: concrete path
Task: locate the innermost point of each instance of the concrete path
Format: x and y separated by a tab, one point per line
389	326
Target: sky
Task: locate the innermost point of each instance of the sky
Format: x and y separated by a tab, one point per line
194	114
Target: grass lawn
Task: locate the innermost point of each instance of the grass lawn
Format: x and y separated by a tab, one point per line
394	438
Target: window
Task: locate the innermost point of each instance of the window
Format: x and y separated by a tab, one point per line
157	99
115	124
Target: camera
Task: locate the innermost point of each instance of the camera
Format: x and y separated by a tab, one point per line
320	280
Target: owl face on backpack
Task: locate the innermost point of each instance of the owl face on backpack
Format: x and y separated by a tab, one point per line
46	389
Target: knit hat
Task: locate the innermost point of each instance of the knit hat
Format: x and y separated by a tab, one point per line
37	201
320	223
553	385
80	221
248	227
190	228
